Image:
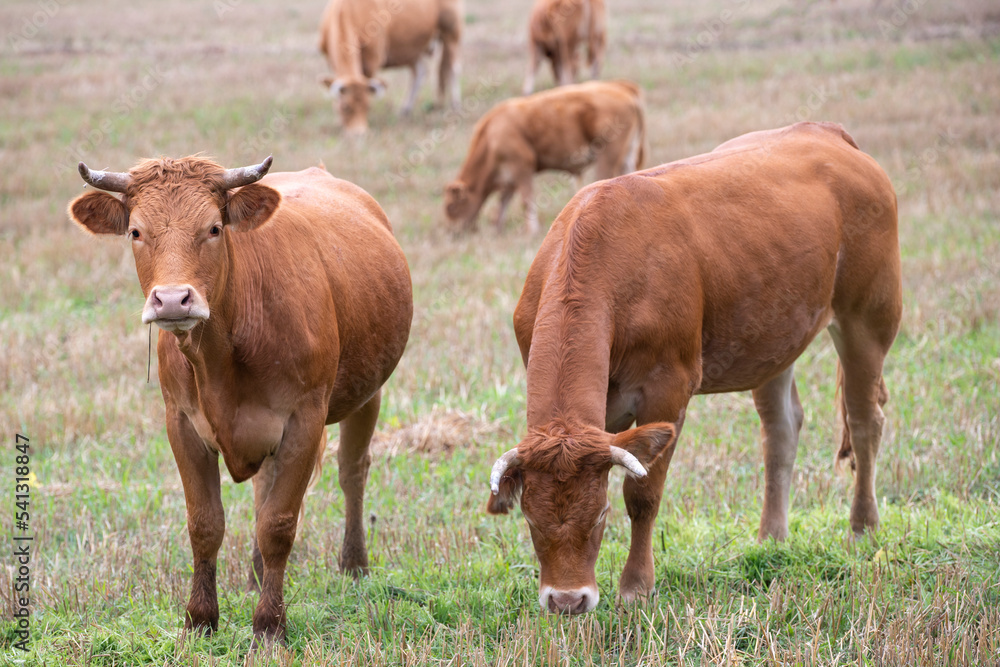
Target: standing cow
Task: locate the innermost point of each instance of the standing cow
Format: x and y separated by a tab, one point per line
706	275
555	30
283	305
360	37
567	129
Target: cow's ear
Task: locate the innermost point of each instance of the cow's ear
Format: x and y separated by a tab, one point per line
251	206
510	491
99	213
647	442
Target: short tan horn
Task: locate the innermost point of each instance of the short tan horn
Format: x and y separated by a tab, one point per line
625	459
500	467
240	176
112	181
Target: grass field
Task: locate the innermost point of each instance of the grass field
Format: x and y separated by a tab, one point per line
917	84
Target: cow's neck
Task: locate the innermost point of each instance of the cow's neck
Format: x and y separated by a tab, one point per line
477	175
568	364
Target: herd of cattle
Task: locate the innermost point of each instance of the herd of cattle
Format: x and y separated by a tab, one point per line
284	304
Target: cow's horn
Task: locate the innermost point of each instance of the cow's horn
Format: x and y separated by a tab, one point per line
234	178
112	181
500	467
624	459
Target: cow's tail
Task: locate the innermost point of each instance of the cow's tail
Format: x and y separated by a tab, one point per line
636	155
317	471
640	158
846	452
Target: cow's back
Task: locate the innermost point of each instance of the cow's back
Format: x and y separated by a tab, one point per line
561	125
355	34
738	255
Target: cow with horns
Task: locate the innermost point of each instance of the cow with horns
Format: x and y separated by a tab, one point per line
284	303
706	275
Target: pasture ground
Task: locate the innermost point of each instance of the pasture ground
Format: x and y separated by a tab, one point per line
916	83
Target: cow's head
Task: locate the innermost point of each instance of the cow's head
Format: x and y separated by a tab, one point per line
176	214
459	204
561	475
353	96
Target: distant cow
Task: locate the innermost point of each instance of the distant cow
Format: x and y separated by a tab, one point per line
567	129
706	275
283	305
555	30
361	37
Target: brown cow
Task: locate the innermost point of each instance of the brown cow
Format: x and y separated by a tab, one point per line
555	29
706	275
568	129
360	37
283	305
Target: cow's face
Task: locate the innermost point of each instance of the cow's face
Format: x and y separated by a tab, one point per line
177	215
354	98
561	476
458	204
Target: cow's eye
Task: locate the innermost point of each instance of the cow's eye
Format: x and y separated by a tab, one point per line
215	230
134	233
603	514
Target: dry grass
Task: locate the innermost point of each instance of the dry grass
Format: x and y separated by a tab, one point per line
110	84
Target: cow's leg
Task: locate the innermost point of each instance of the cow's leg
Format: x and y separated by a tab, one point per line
534	58
609	160
528	197
864	393
199	470
277	518
449	70
595	49
506	194
353	460
560	65
777	403
572	60
419	70
642	496
262	483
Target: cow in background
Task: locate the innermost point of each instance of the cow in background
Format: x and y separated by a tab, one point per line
705	275
555	30
361	37
567	129
284	304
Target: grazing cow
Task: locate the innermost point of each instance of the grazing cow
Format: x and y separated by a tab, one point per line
706	275
568	129
555	29
360	37
283	305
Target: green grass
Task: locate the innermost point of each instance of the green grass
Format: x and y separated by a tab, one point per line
450	584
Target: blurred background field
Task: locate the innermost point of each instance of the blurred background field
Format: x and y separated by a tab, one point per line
917	84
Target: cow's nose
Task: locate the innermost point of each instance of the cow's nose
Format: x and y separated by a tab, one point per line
174	307
570	602
172	302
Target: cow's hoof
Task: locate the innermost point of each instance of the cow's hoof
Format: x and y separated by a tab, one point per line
353	561
268	636
201	628
268	644
632	589
201	622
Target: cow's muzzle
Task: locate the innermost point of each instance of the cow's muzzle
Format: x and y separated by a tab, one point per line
175	307
572	601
